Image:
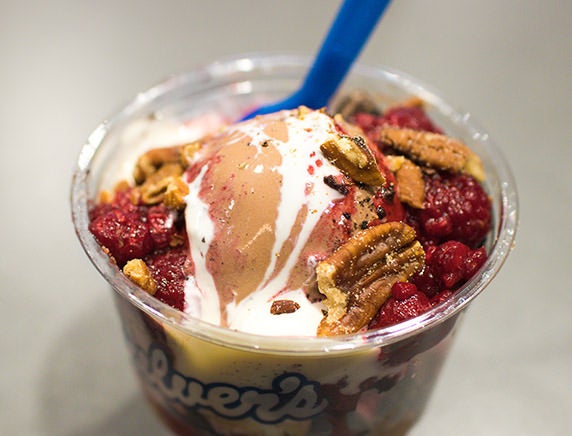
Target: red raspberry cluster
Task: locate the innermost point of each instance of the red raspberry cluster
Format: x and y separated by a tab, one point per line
447	267
452	225
456	208
168	270
405	117
131	230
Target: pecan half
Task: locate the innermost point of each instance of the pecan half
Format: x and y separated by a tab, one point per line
354	158
136	270
357	278
410	182
434	150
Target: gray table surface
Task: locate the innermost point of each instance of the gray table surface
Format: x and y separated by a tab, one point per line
66	65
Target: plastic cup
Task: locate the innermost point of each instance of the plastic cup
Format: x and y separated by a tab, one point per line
203	379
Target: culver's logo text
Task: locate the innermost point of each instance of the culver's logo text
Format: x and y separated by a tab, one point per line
290	396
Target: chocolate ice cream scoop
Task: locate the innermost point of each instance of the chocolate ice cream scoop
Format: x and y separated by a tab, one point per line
264	208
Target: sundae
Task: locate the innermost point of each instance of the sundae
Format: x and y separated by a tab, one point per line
302	222
298	273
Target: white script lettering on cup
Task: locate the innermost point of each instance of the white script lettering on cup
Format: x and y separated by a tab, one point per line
291	395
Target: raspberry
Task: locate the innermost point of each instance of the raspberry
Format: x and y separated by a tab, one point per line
412	117
403	290
448	266
441	297
167	268
161	225
365	120
125	234
130	230
124	200
454	263
99	210
398	310
456	207
474	261
448	263
426	282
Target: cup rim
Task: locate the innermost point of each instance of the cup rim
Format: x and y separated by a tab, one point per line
500	247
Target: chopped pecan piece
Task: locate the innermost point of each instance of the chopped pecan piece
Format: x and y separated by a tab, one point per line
354	158
188	151
175	193
155	187
150	162
177	240
303	111
106	196
357	278
410	182
136	270
434	150
283	306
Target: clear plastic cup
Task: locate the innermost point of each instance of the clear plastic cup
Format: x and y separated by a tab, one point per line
204	379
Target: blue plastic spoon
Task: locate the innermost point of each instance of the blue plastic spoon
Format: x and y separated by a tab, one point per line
348	34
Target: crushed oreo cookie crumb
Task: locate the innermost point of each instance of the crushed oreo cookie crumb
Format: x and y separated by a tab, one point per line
334	184
388	192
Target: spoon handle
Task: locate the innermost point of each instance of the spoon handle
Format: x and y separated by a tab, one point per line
348	34
352	26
